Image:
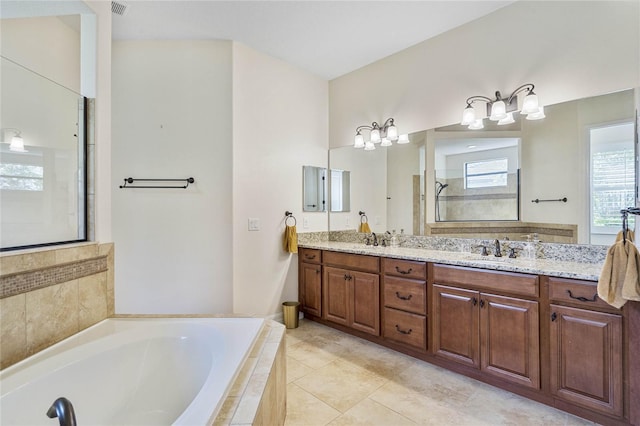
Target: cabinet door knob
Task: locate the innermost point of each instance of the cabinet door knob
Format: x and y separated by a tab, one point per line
403	331
474	301
403	297
317	271
482	303
554	316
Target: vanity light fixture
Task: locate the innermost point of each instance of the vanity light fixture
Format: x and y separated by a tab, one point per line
17	143
501	109
383	135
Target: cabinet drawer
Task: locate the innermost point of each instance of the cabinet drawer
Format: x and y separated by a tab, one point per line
511	282
405	328
352	261
407	295
310	255
405	268
583	293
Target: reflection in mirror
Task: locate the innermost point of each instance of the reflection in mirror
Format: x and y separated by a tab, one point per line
42	182
476	179
340	184
314	189
556	160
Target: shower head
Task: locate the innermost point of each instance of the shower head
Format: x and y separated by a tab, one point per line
440	187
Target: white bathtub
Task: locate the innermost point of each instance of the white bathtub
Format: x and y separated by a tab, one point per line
151	371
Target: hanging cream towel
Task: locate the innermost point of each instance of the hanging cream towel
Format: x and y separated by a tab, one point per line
619	276
630	236
364	227
290	239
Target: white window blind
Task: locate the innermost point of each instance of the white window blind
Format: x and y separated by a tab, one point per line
612	176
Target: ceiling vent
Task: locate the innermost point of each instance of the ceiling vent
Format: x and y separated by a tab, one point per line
118	8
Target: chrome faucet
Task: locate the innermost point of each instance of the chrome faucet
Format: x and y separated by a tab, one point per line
497	252
63	410
375	239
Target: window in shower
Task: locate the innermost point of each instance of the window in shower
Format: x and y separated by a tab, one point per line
612	179
485	174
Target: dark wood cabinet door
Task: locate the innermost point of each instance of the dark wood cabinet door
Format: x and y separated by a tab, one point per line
336	295
365	302
586	358
455	324
311	288
509	339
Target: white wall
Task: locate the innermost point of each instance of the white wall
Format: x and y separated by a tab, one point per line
368	187
280	123
171	118
39	43
569	50
101	198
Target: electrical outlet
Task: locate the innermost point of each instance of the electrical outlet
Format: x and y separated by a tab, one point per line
254	224
347	222
377	220
305	223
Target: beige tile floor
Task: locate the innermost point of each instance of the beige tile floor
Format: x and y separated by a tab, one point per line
337	379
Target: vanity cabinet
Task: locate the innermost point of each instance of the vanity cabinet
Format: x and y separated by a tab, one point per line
496	334
310	281
405	302
351	294
586	345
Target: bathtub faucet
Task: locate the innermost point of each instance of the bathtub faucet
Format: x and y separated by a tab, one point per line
63	410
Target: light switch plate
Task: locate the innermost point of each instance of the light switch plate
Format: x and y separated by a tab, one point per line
254	224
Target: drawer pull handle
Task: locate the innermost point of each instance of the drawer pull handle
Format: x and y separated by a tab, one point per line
403	297
403	331
310	256
403	272
583	299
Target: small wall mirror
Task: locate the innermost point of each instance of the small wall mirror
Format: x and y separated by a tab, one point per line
340	184
314	189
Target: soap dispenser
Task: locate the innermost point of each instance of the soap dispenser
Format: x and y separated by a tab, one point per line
394	239
529	250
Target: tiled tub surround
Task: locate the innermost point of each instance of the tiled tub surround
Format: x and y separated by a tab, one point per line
256	396
47	295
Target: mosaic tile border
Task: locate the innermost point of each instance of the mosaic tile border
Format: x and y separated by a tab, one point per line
23	282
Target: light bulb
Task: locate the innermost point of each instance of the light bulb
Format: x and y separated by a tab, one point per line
402	139
537	115
468	116
17	144
375	135
530	104
507	120
369	146
477	125
392	133
386	142
498	110
358	141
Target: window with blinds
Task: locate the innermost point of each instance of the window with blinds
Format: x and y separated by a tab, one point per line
612	176
487	173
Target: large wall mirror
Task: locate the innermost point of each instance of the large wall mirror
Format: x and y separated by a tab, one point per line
565	177
43	122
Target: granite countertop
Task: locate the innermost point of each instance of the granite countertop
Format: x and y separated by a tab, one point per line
563	269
